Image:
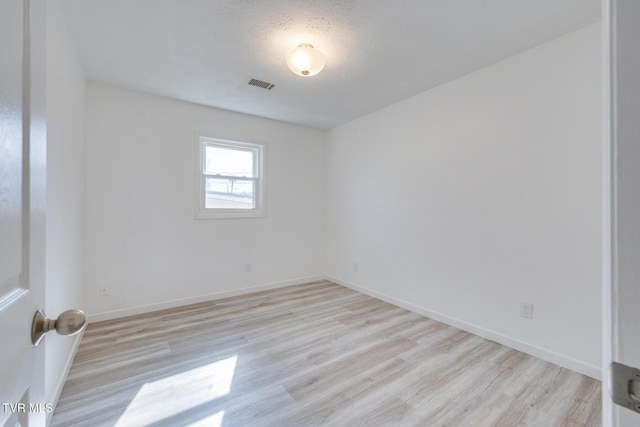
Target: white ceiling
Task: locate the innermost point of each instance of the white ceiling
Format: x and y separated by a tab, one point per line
378	51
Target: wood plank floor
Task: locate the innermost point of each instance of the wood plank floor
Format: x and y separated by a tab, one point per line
315	354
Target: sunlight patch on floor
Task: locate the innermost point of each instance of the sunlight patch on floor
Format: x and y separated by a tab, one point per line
178	393
214	420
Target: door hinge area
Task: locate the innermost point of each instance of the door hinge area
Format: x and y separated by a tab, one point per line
626	386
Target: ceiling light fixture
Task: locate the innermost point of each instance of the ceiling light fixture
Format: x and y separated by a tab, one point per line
305	60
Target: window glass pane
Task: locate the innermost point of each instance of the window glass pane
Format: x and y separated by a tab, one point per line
224	161
229	193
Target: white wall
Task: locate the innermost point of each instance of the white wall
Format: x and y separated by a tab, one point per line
144	244
467	199
65	209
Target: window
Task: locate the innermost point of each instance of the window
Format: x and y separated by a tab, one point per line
230	179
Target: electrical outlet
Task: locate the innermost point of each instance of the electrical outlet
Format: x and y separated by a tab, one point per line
104	291
526	310
247	268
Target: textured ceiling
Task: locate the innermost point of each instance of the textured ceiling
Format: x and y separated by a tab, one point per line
378	51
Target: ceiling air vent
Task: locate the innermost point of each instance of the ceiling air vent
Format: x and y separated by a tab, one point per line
260	83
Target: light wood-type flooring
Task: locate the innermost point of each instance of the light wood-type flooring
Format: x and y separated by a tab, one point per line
315	354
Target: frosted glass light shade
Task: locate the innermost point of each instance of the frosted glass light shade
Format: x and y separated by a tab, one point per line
305	60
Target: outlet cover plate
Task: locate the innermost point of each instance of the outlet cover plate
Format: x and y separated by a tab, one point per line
526	310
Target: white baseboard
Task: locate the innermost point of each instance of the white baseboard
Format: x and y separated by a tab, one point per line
63	378
534	350
539	352
115	314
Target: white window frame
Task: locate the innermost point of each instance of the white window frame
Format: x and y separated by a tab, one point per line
258	150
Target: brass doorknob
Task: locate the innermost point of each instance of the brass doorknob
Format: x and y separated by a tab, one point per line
68	323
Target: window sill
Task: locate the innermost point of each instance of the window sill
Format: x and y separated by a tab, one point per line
230	214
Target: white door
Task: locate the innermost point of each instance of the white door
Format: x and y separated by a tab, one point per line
18	293
622	263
